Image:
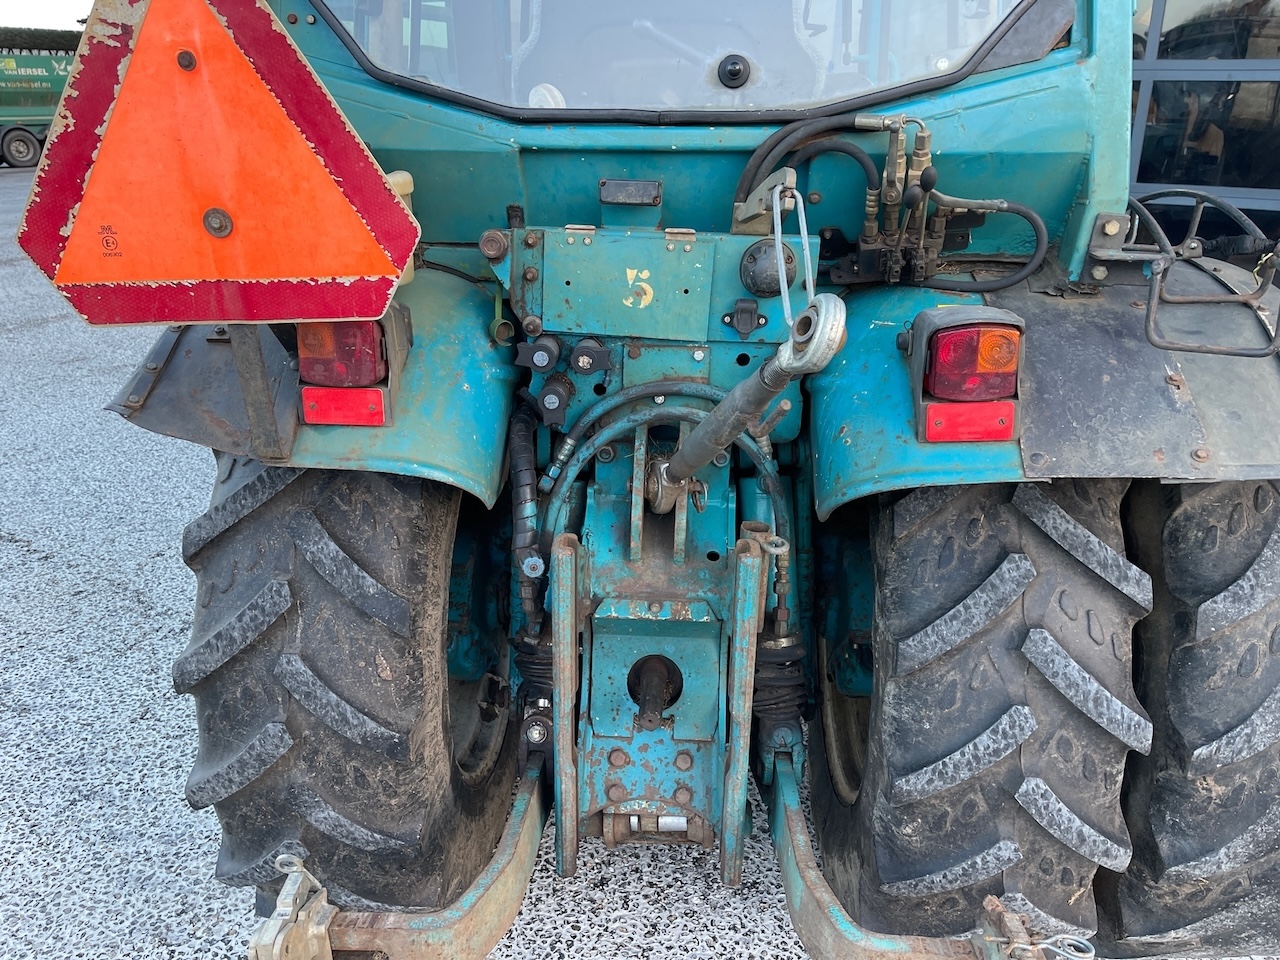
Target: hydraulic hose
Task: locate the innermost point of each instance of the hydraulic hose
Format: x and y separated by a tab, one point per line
768	469
524	494
995	206
848	149
601	408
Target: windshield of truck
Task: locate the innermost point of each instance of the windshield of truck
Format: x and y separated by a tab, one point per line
664	55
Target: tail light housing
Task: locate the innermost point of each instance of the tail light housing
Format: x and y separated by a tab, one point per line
964	373
351	369
341	353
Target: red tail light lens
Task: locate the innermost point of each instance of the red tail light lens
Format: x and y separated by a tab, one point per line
973	363
341	353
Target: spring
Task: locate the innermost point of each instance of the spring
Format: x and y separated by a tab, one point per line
781	687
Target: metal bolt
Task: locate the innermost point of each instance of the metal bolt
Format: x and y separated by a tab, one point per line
218	222
493	244
186	60
1038	459
684	796
586	241
633	352
1137	304
616	792
1200	454
655	607
699	355
671	246
292	18
584	362
618	757
606	454
727	319
530	274
815	197
532	325
1176	380
1099	272
761	320
1111	228
1193	244
311	18
134	398
659	399
536	732
688	247
684	760
152	366
721	459
219	331
569	241
530	239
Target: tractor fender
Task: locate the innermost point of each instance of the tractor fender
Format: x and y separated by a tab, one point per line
1096	398
448	419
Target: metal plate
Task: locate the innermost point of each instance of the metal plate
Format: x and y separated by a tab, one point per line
625	285
1100	401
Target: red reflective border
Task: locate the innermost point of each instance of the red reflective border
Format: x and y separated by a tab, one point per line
990	420
76	133
345	406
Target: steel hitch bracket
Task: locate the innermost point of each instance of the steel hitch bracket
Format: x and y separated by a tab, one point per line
827	930
305	926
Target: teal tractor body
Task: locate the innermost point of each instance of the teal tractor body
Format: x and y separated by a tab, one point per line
821	405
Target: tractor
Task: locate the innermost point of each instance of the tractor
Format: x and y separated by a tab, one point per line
611	406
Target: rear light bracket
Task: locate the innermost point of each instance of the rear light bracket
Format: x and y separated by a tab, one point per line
915	343
397	340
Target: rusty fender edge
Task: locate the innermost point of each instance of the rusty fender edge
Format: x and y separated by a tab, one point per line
827	931
468	928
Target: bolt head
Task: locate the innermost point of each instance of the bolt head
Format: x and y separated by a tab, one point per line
1111	228
616	792
584	362
530	239
1099	272
531	273
671	246
659	399
683	796
536	732
815	197
134	398
532	325
688	247
1200	455
152	366
618	757
684	761
699	355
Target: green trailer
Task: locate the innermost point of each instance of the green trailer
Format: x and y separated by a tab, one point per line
34	65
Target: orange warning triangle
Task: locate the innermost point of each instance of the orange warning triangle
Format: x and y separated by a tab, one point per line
195	134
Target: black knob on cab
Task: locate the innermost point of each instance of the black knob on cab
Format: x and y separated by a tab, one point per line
734	71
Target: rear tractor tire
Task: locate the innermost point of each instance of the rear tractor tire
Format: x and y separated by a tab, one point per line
330	727
1002	712
1204	808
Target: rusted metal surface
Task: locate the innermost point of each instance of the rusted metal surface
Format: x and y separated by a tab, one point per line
824	926
747	602
565	621
470	927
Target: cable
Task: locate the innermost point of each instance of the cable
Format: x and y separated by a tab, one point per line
460	274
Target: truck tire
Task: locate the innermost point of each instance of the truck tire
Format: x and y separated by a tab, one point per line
20	148
1002	711
329	726
1204	808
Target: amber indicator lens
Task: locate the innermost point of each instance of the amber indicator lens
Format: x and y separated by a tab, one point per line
345	353
978	362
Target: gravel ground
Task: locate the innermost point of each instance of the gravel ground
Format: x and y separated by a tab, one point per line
100	856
